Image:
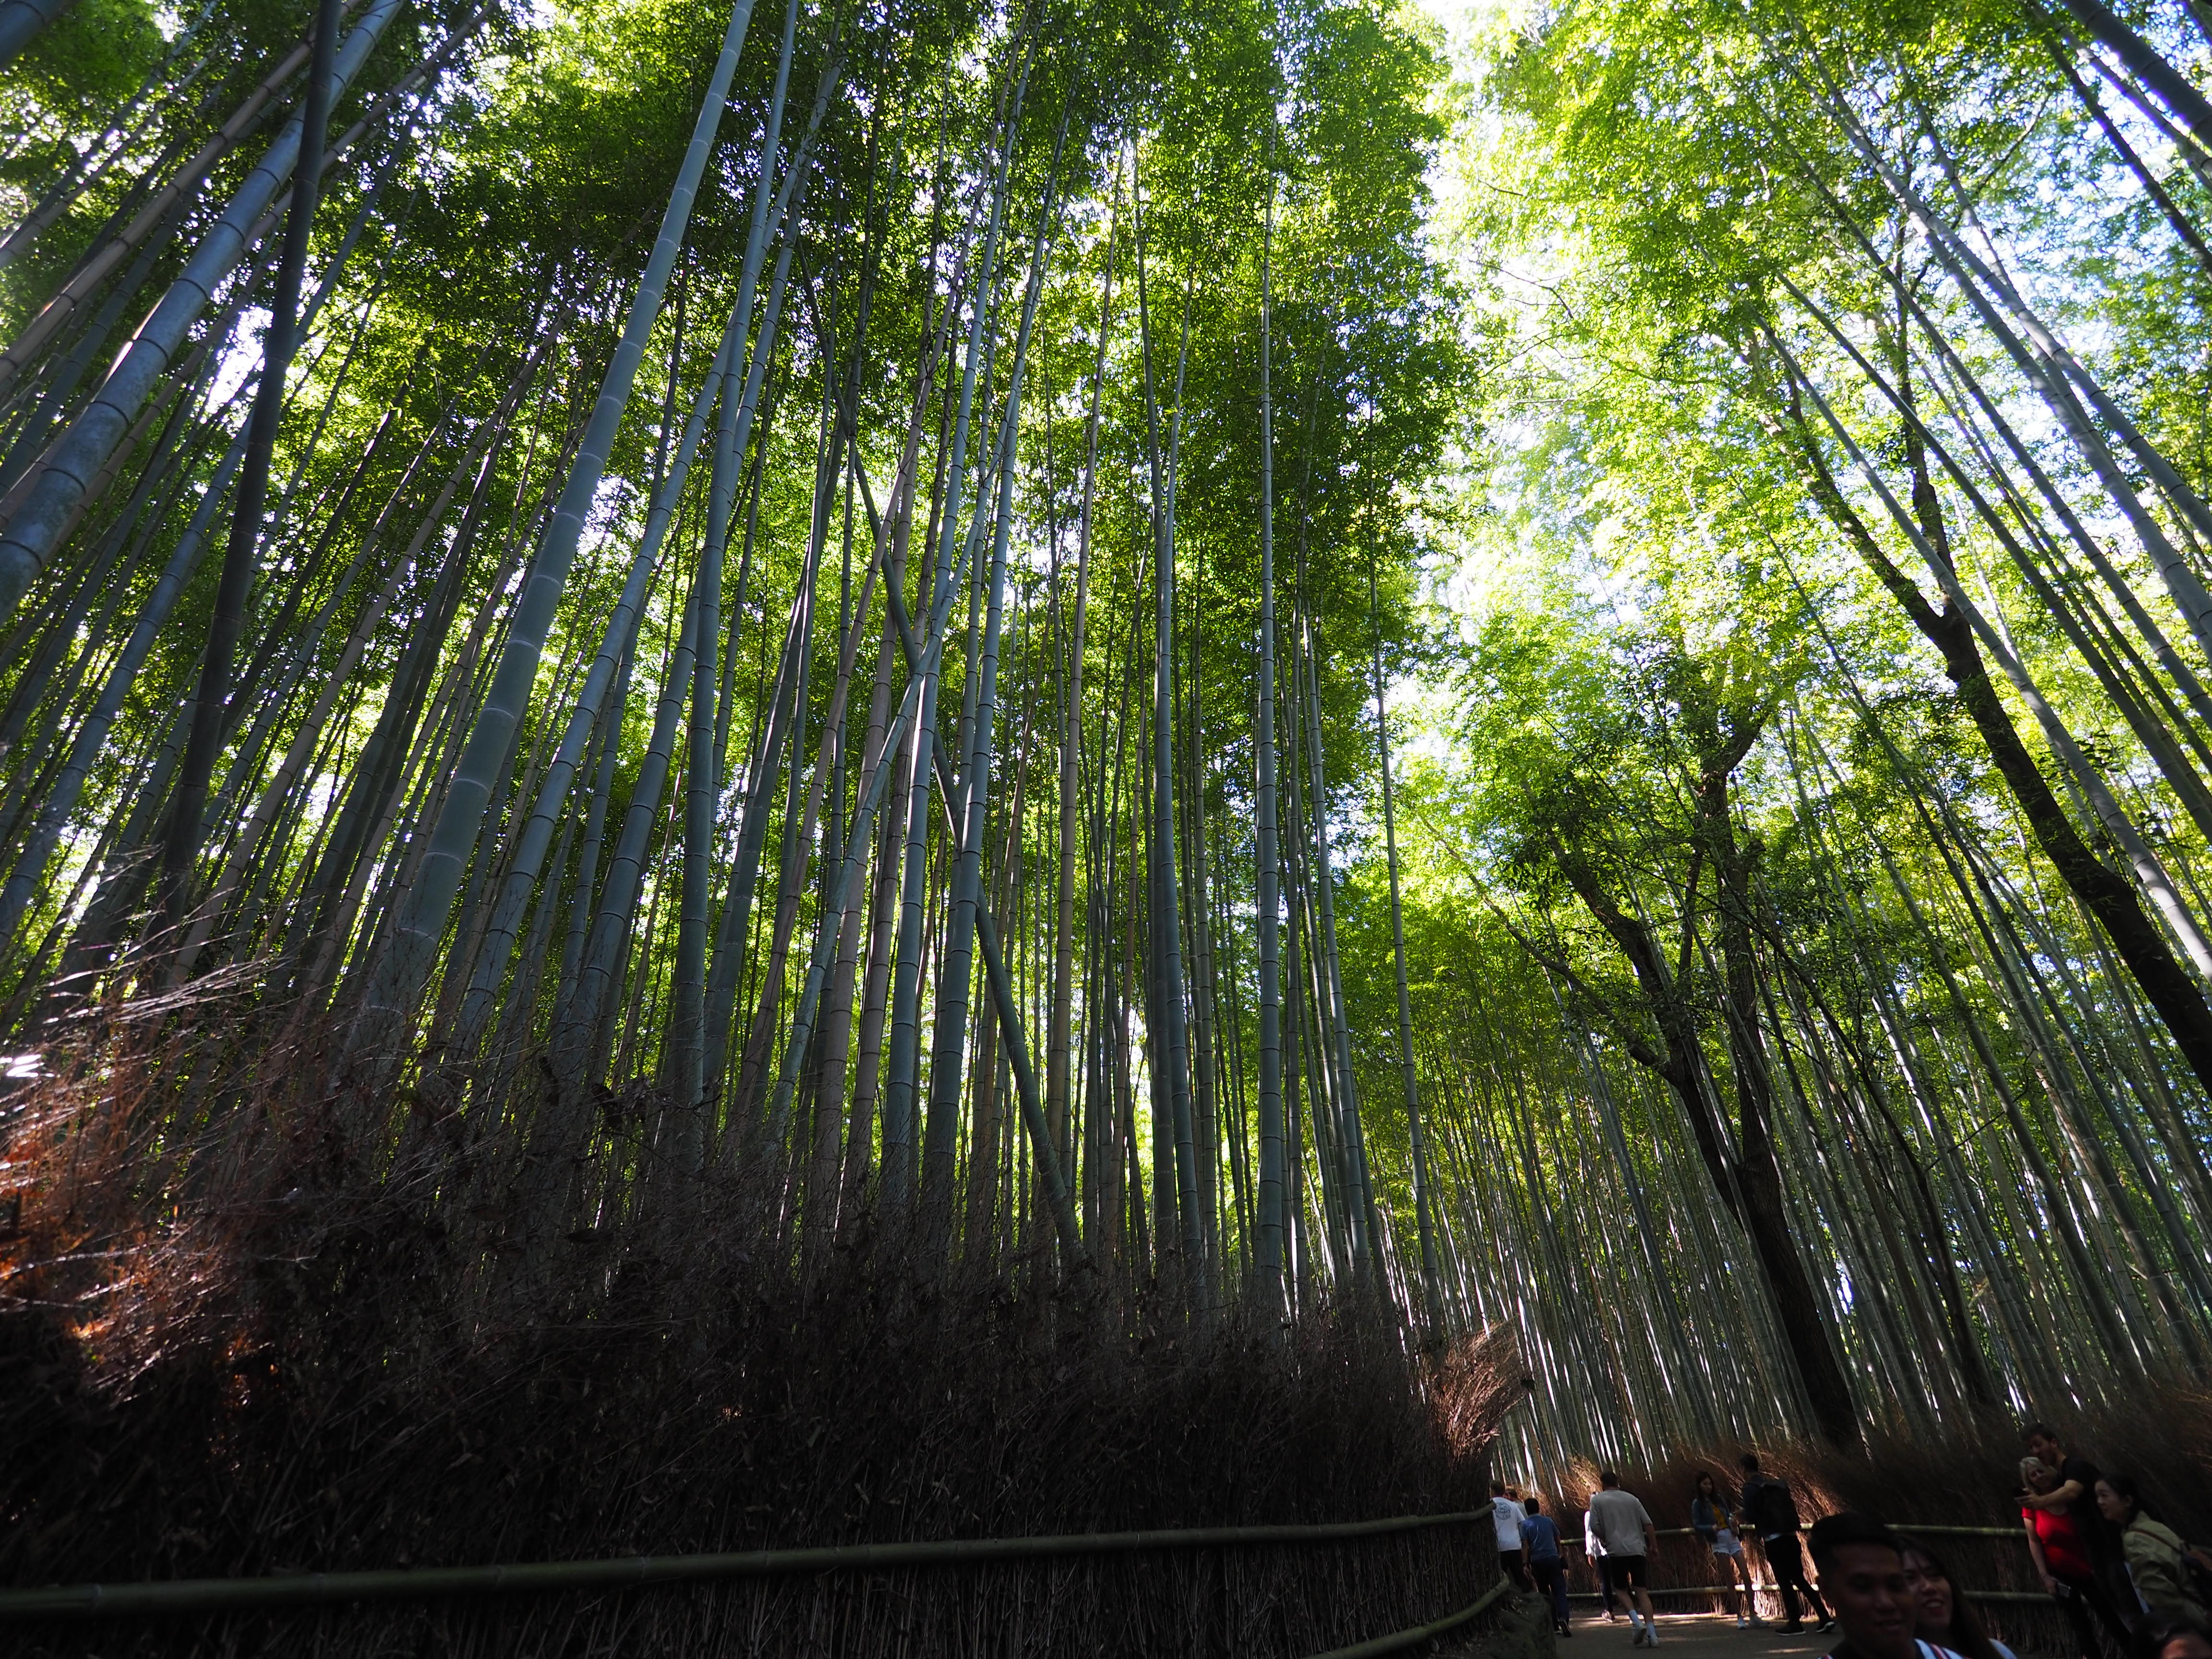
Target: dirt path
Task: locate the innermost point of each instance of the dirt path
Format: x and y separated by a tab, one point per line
1692	1636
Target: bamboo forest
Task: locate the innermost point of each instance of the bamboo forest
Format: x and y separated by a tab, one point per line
872	771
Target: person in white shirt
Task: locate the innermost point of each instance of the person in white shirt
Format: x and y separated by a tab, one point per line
1620	1520
1506	1514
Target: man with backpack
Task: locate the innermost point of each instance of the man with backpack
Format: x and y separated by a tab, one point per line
1771	1511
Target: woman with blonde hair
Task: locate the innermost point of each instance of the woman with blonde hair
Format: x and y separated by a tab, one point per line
2063	1560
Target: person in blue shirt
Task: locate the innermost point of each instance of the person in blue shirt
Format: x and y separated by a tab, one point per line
1540	1548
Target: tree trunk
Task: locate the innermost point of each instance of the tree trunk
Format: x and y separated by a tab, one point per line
2106	896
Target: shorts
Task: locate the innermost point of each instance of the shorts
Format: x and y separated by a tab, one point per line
1726	1543
1628	1572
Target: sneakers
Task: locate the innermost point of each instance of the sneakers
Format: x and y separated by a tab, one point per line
1827	1625
1639	1640
1743	1623
1795	1627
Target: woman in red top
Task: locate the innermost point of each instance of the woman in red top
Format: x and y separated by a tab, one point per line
2061	1555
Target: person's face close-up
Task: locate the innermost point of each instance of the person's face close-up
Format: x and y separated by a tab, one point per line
1931	1592
2110	1504
2187	1645
2046	1449
2042	1477
1873	1603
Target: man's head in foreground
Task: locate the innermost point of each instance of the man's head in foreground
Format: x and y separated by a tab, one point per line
2176	1641
1862	1572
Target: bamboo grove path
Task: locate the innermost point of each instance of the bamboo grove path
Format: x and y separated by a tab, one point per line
1697	1636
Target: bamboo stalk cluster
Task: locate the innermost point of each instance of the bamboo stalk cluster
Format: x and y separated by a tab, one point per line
1861	860
760	717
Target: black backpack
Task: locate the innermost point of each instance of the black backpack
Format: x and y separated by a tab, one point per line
1768	1506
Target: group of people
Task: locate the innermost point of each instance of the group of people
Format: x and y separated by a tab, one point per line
1619	1539
1616	1532
2101	1553
1895	1599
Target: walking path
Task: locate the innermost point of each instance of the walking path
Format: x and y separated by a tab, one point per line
1693	1636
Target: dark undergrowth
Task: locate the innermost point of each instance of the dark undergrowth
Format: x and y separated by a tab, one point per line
233	1351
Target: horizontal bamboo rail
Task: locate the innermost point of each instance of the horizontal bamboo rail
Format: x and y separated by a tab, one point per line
1910	1529
1658	1590
1903	1527
214	1596
419	1583
1402	1640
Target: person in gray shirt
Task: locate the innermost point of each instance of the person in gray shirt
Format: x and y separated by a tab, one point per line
1619	1519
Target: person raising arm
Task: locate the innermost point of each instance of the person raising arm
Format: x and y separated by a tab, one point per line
2064	1561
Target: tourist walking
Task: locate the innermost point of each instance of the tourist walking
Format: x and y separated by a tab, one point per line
1540	1546
1505	1516
1770	1510
2158	1562
1942	1617
1862	1567
1593	1547
1621	1520
1712	1518
2063	1560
